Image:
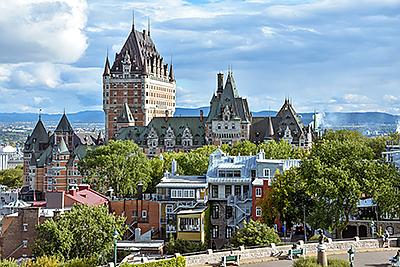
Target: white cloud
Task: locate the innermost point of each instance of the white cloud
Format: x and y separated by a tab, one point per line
42	30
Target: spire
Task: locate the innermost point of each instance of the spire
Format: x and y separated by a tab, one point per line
133	20
148	26
269	133
171	72
107	69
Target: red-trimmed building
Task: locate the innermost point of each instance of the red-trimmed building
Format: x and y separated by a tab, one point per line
81	194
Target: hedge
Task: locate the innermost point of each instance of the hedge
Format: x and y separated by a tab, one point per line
312	262
174	262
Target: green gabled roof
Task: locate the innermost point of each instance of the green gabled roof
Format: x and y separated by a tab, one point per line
230	89
229	97
178	125
64	126
134	133
44	157
39	136
139	134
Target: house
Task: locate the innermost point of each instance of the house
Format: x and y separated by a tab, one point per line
18	232
229	183
183	205
265	172
141	213
81	194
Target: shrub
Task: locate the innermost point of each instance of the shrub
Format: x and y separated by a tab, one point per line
338	263
8	263
306	262
174	262
80	263
312	262
43	261
183	246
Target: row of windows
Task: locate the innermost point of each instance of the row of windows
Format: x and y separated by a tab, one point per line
182	193
228	190
229	173
163	89
156	102
226	126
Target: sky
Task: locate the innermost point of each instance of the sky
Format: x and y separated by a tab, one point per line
327	55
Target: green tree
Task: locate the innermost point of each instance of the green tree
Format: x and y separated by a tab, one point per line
288	196
194	162
341	168
84	232
120	165
12	178
255	234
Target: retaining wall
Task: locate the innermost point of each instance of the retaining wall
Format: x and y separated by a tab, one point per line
254	254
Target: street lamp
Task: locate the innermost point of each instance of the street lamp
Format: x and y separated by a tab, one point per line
115	236
304	224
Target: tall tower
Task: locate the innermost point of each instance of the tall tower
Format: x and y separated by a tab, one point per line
139	78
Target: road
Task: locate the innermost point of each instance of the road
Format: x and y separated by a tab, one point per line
370	259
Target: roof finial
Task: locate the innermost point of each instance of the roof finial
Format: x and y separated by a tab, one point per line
148	26
133	20
40	114
64	111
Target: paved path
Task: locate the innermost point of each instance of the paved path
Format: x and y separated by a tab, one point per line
369	259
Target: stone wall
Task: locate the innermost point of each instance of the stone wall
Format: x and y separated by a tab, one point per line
266	252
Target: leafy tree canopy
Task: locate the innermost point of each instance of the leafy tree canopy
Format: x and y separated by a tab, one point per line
341	168
84	232
119	165
255	233
12	178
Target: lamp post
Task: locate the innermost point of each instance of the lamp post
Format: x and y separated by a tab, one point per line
351	253
115	236
304	224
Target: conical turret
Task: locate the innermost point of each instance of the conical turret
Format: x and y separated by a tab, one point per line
171	73
107	68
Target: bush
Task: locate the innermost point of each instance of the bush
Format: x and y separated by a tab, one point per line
183	246
80	263
44	261
312	262
306	262
174	262
8	263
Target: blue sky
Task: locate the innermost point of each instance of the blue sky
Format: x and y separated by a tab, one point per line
328	55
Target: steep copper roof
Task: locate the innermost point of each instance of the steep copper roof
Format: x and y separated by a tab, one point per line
64	126
38	139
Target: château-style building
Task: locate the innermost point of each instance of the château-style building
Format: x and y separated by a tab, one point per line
138	86
139	103
51	159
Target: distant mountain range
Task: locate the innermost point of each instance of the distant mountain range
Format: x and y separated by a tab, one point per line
330	119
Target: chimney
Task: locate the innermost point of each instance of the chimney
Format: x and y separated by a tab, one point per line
174	167
144	34
72	191
261	154
166	114
220	86
140	190
201	115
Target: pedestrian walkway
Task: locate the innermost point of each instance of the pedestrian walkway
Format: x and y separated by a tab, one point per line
377	259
